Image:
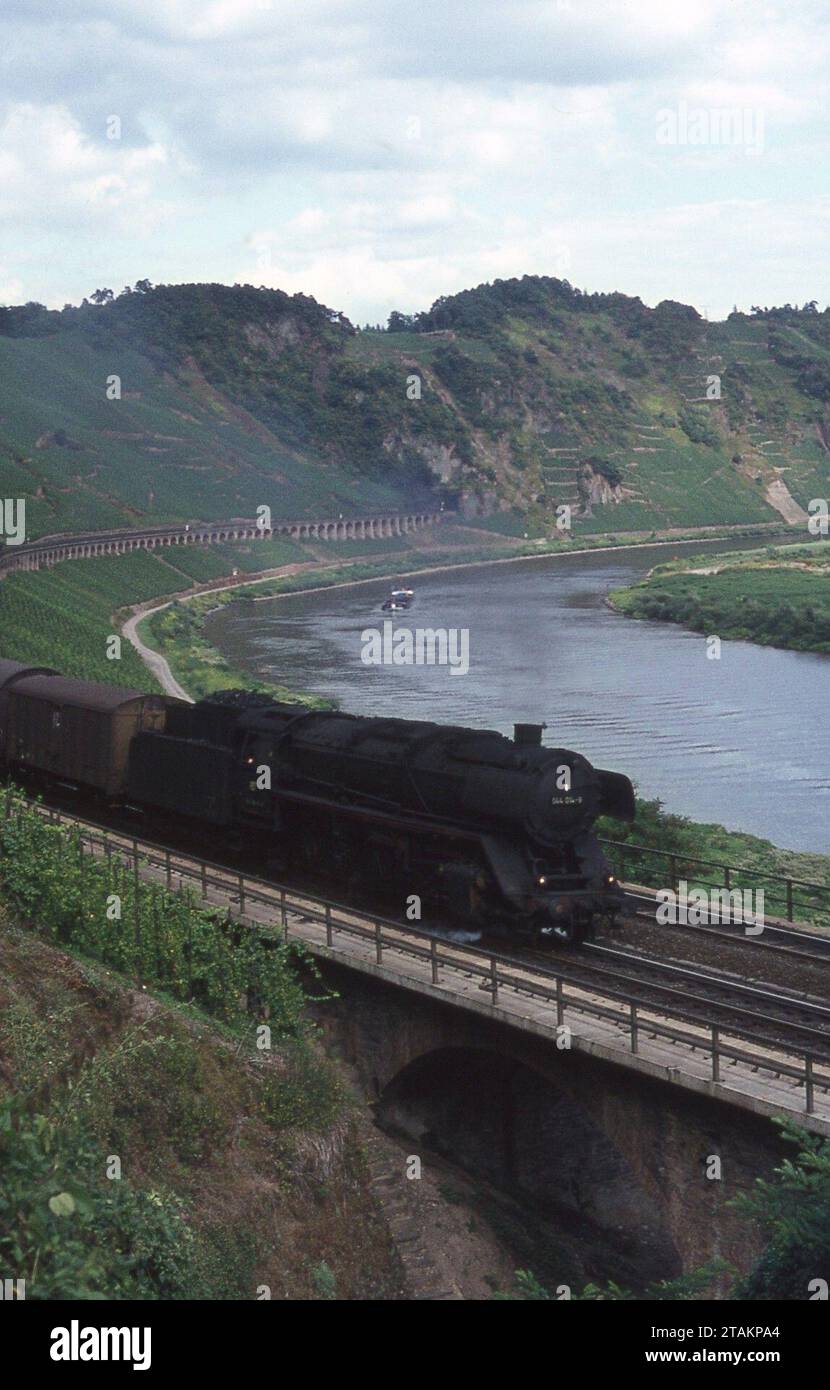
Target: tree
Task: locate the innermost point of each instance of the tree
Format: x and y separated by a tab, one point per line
102	296
793	1211
400	323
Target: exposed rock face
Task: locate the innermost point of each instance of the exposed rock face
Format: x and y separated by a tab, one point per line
273	337
779	496
596	491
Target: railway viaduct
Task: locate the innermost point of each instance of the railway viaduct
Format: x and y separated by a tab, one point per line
619	1153
51	550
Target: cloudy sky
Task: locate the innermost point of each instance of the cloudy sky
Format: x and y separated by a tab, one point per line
379	153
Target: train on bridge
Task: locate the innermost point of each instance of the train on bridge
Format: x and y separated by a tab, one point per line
447	825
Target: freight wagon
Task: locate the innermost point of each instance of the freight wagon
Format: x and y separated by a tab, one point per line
75	731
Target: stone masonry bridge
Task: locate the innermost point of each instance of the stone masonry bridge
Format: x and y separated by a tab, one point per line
51	550
632	1163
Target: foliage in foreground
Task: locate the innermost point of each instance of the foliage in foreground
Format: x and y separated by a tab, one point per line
66	1227
101	909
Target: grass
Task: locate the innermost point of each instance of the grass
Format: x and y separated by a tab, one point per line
168	449
763	862
147	1154
779	597
186	1140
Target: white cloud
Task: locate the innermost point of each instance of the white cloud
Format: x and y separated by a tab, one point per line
378	153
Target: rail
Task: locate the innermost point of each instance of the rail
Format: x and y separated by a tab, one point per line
285	909
797	899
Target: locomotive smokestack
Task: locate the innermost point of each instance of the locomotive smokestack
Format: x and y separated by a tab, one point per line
528	734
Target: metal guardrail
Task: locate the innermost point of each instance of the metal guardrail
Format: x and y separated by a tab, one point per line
239	890
799	900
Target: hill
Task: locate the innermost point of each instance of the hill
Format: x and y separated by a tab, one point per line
509	399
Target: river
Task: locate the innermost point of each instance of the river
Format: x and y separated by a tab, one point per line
743	740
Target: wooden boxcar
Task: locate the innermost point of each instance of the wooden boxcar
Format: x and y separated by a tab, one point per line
11	671
78	731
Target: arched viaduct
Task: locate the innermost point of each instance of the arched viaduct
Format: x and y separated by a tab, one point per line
51	550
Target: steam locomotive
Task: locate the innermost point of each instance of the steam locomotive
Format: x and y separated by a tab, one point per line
484	832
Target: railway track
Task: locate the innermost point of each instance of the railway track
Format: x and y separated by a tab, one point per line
714	997
718	988
691	1026
777	938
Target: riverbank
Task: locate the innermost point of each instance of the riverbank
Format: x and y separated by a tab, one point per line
171	638
777	597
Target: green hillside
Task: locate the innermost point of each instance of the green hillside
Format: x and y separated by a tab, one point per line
508	400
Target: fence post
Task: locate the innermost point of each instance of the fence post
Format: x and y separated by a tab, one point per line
635	1042
789	900
673	871
168	869
715	1053
189	948
241	894
328	926
808	1084
433	959
378	943
560	1003
283	914
494	988
137	910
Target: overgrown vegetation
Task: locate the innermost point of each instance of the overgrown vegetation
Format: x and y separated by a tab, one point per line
146	1151
676	843
778	598
102	909
235	396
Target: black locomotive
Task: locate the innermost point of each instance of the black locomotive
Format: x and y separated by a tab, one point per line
484	832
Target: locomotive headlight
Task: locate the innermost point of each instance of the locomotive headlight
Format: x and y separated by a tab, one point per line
610	879
542	881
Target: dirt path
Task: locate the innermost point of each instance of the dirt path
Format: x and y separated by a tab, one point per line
154	661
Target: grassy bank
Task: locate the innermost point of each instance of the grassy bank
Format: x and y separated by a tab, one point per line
778	597
155	1142
680	842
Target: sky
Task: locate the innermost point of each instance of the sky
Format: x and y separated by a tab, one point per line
379	153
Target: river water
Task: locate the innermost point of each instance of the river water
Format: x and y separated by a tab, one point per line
744	740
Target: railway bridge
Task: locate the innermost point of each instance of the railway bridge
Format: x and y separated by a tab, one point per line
51	550
635	1123
624	1114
